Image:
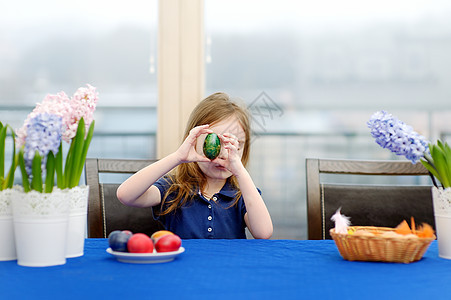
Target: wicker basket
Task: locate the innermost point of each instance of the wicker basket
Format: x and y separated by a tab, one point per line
380	248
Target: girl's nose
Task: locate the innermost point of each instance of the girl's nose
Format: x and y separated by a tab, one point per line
223	153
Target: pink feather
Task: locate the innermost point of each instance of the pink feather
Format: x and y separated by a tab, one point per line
341	222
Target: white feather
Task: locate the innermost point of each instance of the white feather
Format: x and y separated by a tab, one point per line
341	222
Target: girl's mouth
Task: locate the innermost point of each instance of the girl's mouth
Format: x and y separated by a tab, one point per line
220	168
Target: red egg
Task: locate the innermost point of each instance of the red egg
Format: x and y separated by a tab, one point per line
168	243
159	234
140	243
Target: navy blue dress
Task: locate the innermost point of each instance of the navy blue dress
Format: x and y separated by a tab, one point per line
200	218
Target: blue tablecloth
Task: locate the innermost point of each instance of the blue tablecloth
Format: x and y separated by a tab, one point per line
231	269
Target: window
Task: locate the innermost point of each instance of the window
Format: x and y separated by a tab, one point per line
313	72
54	46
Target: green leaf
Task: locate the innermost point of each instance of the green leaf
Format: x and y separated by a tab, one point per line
440	164
2	151
87	142
25	182
446	147
2	155
440	144
445	171
50	172
10	178
430	167
9	181
78	148
68	164
36	171
429	164
447	153
59	168
69	177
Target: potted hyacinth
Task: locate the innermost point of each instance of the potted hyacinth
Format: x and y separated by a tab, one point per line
42	162
393	134
57	118
8	249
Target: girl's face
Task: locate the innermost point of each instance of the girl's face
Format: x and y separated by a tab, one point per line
213	169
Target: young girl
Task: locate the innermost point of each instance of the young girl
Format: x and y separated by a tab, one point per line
198	197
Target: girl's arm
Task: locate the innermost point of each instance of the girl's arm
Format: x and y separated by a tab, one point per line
257	218
138	190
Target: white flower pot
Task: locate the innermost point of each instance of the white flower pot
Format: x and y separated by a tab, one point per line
78	214
442	213
8	245
40	227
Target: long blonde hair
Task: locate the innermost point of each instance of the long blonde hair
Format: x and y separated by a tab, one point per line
187	178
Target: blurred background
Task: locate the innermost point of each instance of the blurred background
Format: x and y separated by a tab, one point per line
311	72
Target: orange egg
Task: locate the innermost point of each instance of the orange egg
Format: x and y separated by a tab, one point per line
159	234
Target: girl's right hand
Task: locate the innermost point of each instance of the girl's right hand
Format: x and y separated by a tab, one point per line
187	151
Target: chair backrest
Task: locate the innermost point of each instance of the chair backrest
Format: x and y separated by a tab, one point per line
384	205
105	212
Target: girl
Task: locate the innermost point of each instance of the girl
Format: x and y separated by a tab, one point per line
199	197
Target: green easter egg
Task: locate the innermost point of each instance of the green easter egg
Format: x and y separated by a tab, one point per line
212	146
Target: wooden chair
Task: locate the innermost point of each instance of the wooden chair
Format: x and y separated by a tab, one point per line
370	204
105	212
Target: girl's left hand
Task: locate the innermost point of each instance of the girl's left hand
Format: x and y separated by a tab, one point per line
231	159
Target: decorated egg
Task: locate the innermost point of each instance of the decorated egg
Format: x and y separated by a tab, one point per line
140	243
212	146
159	234
117	240
168	243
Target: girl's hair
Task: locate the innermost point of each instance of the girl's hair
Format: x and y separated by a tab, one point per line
187	178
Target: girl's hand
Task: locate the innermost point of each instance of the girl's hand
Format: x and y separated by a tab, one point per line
187	151
230	158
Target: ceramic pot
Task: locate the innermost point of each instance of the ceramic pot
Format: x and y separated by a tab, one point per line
7	242
442	213
40	227
77	226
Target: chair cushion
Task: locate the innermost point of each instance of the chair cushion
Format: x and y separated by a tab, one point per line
118	216
385	206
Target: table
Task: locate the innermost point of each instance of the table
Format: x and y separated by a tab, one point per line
231	269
